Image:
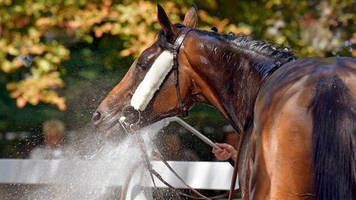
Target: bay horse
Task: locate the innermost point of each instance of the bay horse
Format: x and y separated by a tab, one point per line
298	116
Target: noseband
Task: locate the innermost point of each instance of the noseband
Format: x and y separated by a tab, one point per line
174	49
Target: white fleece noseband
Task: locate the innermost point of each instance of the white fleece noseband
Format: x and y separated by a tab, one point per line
152	81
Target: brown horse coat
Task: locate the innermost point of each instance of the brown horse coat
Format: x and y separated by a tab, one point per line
298	115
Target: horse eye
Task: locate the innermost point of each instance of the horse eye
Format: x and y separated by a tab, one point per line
142	65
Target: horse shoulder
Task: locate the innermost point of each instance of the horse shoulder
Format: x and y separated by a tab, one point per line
283	126
281	136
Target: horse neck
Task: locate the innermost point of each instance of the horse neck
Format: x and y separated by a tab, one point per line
233	80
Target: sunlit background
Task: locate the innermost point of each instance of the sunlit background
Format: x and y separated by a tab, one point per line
58	59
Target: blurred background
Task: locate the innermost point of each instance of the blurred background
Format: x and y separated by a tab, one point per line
58	59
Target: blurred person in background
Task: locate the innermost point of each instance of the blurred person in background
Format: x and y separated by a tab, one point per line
53	131
174	150
171	148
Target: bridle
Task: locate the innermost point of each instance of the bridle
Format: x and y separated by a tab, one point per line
174	49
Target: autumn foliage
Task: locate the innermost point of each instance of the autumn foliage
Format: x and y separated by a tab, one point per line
36	35
45	30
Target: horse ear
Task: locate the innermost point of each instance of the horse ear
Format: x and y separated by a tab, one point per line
164	21
191	18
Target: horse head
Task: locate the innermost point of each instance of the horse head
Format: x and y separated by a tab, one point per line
150	90
184	66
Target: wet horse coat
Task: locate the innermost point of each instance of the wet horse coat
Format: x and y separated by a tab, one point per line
297	115
304	131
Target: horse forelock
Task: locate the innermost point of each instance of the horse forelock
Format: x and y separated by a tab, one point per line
164	41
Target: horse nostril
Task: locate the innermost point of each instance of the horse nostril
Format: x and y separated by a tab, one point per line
97	117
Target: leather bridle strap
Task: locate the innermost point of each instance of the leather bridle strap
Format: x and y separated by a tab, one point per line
236	166
174	49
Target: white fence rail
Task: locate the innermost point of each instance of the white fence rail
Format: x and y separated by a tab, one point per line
199	175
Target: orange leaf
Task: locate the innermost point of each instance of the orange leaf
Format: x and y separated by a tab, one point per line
21	102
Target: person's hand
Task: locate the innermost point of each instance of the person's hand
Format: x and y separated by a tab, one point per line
225	152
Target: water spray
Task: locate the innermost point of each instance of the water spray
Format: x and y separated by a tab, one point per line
165	122
158	126
162	124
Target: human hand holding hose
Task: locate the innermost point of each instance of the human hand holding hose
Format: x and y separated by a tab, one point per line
225	152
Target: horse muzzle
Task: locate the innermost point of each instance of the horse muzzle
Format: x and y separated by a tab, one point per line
129	117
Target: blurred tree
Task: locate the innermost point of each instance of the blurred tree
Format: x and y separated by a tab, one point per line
36	37
309	28
88	45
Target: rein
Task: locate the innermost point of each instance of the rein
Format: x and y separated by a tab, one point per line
234	175
153	172
174	49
